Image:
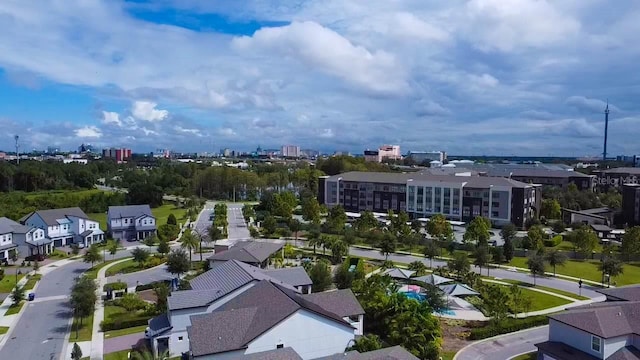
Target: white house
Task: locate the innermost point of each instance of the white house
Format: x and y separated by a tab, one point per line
27	240
66	226
220	285
609	330
131	222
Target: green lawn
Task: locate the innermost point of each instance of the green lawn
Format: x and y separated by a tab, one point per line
3	330
447	355
122	332
588	270
128	266
161	213
84	330
92	273
118	355
529	356
13	309
541	301
31	283
111	310
9	282
555	291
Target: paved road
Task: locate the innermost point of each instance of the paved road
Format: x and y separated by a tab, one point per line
203	223
237	228
505	347
143	277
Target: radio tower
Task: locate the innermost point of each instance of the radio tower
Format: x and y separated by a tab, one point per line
606	128
16	138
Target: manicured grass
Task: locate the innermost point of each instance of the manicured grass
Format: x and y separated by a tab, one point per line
31	283
127	267
100	218
541	301
13	309
447	355
111	310
84	330
58	254
3	330
9	282
122	332
118	355
588	270
92	273
529	356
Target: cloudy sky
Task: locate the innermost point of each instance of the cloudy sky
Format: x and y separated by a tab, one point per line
511	77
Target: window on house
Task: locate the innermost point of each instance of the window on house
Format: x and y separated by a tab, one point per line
180	338
596	343
279	346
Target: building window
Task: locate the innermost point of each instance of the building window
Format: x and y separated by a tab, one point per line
279	346
596	343
180	338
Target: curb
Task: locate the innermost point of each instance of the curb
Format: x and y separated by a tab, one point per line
495	338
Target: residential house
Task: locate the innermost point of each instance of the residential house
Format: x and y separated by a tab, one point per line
66	226
27	240
212	290
342	303
609	330
250	252
622	293
294	276
131	222
266	317
390	353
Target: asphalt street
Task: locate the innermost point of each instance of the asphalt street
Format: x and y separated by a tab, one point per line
143	277
237	228
505	347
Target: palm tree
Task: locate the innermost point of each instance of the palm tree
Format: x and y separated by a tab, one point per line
555	258
314	241
189	242
339	249
419	267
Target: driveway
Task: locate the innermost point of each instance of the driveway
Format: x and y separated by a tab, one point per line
505	346
122	342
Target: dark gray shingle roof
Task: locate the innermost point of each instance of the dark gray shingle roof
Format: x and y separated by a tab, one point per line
248	251
390	353
340	302
128	211
241	320
50	217
9	226
295	276
626	293
159	324
277	354
563	351
606	320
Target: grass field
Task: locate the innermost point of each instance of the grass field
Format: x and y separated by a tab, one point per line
13	309
3	330
161	213
128	266
555	291
9	282
79	193
541	301
122	332
447	355
84	330
118	355
588	269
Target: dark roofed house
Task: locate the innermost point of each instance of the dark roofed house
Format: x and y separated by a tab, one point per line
342	303
269	317
622	293
65	227
390	353
251	252
608	330
131	222
296	276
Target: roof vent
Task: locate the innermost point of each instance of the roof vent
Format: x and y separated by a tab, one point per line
619	314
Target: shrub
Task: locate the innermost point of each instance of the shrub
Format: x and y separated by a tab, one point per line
152	285
508	326
553	242
119	285
124	322
155	261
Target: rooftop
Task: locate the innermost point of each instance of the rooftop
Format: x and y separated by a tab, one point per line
341	302
390	353
9	226
248	252
622	170
51	217
623	293
606	320
446	177
129	211
295	276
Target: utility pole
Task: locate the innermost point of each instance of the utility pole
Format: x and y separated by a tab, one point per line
17	153
606	129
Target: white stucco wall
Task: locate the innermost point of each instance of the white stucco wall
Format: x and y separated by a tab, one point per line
571	336
614	344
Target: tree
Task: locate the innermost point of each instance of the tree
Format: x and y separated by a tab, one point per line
366	222
398	224
343	277
459	263
162	292
189	242
430	251
349	236
171	220
269	225
497	254
415	329
151	240
610	266
367	343
387	245
311	210
416	225
320	275
478	231
535	263
418	267
508	232
168	232
14	255
515	299
163	247
585	240
178	262
555	258
481	258
496	301
295	227
508	250
144	193
339	249
536	237
550	209
92	255
83	299
76	352
248	212
558	227
439	227
112	247
17	295
314	239
435	297
631	242
140	255
336	219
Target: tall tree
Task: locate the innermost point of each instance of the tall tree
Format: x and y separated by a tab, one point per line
387	244
585	240
536	237
631	242
555	258
163	247
92	255
610	266
481	258
418	267
177	262
430	251
336	219
76	352
508	233
478	231
17	295
339	249
550	209
459	263
83	299
162	292
171	220
439	227
112	247
311	210
269	225
140	255
366	222
535	263
295	226
320	275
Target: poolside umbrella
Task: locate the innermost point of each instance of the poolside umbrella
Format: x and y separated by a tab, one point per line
432	279
402	274
458	290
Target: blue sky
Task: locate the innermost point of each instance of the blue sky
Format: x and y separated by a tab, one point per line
518	77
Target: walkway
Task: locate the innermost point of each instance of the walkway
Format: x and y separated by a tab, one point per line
504	346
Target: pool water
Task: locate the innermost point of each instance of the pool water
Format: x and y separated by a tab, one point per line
420	297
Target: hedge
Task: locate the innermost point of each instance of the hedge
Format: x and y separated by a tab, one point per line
508	326
555	241
124	322
152	285
118	285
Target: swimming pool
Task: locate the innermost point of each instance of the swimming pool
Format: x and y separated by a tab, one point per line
420	297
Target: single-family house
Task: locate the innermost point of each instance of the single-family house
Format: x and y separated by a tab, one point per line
266	317
254	253
66	226
130	222
27	240
294	276
342	303
209	292
390	353
609	330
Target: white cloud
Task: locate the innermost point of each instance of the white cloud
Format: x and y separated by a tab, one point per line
146	110
226	132
109	117
326	133
592	105
188	131
409	25
88	132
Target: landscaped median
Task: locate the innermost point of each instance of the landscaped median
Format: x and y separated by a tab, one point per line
133	265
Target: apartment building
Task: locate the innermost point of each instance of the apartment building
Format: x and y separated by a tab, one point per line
390	152
422	157
119	155
631	204
290	151
617	177
459	198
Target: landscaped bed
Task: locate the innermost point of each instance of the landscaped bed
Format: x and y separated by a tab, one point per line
31	283
127	312
14	309
130	265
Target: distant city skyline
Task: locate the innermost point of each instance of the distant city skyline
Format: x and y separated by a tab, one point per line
470	77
